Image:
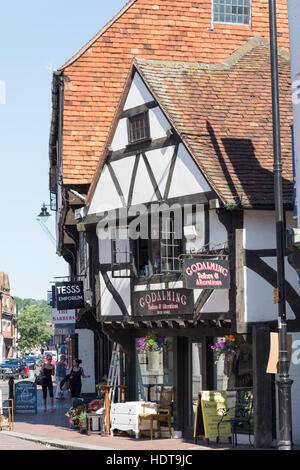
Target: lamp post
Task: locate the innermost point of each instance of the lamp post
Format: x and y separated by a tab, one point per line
283	383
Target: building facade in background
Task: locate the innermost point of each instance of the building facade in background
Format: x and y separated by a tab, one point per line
8	319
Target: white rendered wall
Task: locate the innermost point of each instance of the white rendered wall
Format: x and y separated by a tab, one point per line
260	234
138	93
86	355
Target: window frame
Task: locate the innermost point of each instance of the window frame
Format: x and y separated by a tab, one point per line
131	120
213	21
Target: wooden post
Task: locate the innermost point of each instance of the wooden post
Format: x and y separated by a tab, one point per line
107	408
123	388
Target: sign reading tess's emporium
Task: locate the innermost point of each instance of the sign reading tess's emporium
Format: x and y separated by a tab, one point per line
163	302
69	295
206	273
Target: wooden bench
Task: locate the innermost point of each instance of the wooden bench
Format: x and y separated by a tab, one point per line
240	415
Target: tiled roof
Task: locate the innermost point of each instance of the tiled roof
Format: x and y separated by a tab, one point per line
223	114
153	29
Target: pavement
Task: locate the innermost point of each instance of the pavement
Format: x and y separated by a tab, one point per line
52	429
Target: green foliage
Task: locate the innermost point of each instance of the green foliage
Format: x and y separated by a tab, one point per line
22	304
32	323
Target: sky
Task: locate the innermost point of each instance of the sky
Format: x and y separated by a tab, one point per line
36	37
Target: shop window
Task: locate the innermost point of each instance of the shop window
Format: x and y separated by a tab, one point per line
138	128
153	370
237	372
232	11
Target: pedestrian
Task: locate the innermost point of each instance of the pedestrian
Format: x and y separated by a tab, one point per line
48	370
60	374
75	378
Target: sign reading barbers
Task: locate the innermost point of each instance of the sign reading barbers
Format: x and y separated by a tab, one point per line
69	295
206	273
163	302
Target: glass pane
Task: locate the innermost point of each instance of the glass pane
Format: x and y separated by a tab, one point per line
153	370
232	11
196	375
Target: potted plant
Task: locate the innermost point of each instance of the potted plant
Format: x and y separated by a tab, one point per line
151	342
227	347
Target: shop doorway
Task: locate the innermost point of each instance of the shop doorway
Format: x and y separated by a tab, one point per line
153	370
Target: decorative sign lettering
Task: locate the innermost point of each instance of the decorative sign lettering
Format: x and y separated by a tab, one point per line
69	295
25	397
163	302
206	273
63	316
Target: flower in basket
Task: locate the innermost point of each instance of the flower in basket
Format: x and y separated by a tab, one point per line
227	347
151	342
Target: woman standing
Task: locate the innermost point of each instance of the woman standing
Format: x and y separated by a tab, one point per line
75	378
48	370
60	374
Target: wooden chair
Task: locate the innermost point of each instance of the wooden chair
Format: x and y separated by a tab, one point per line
7	417
163	411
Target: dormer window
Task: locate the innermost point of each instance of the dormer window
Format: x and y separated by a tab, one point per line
138	128
232	11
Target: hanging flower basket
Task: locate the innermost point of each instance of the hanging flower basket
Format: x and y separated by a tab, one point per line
151	342
227	347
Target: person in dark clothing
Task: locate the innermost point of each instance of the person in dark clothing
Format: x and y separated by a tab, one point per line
75	378
48	371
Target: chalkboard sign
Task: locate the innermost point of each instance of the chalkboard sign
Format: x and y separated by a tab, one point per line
25	397
208	414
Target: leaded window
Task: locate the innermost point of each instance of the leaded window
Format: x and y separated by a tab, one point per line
139	127
232	11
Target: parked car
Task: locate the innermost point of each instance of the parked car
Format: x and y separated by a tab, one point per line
12	368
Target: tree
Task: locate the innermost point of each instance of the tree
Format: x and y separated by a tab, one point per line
32	326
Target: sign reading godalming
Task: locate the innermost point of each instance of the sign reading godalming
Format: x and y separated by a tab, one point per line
163	302
206	273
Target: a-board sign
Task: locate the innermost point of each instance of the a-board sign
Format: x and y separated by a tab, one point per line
25	397
206	273
210	405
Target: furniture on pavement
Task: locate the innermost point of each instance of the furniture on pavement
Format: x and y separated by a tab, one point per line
243	414
7	416
162	411
125	417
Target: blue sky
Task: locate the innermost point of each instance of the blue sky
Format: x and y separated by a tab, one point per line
35	37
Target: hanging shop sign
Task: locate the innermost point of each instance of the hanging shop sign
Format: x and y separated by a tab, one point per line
163	302
63	316
206	273
66	329
69	295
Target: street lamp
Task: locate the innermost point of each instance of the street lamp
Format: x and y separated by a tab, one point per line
44	214
284	383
